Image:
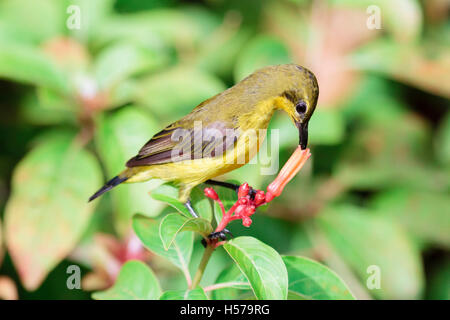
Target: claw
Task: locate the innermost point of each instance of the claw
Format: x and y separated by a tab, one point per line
222	235
226	231
252	193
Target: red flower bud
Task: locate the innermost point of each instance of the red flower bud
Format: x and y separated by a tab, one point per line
249	210
243	201
260	198
243	190
246	222
211	193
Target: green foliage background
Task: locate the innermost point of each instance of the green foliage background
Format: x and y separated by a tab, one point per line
75	104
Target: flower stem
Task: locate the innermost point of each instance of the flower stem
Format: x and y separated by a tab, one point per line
203	263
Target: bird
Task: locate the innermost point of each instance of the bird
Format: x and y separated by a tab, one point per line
218	135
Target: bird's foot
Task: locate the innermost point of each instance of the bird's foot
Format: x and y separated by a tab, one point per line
218	235
222	235
252	193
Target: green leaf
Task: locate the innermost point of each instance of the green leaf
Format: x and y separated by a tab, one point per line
177	91
47	107
168	193
133	27
220	54
378	174
94	14
123	93
312	280
424	214
119	137
179	253
40	20
136	281
405	62
442	143
262	51
47	211
122	60
172	224
170	27
393	152
26	64
326	127
262	266
11	34
195	294
237	284
201	204
367	106
1	244
365	240
438	286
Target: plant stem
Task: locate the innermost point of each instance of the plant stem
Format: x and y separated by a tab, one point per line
223	223
203	263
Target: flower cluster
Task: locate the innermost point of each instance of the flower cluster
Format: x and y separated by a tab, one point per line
243	208
250	199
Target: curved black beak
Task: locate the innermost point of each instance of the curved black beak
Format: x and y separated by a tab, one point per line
302	134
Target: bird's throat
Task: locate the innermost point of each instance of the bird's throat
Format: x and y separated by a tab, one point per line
259	117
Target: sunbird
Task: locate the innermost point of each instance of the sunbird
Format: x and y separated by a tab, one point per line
227	117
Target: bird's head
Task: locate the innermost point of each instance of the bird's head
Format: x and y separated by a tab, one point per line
298	97
290	87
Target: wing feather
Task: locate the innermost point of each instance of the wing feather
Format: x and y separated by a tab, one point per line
166	146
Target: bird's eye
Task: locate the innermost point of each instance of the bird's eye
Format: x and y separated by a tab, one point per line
301	107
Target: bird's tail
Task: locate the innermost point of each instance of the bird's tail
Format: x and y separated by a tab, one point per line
108	186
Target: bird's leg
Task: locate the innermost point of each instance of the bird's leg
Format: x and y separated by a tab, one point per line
231	186
228	185
191	210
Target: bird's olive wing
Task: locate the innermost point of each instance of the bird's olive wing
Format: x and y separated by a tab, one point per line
175	143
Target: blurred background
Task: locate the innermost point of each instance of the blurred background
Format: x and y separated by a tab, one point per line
84	84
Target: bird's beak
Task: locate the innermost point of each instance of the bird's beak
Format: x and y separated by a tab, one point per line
302	134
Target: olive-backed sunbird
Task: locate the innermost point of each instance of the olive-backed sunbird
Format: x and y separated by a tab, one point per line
248	105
